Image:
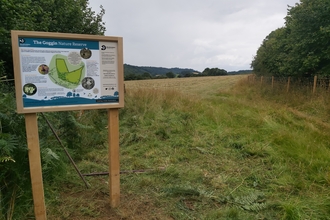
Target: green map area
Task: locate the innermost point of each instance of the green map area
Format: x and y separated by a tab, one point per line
65	74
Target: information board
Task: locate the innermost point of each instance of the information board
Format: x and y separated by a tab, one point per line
60	72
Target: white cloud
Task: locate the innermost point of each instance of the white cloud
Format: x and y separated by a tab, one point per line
192	33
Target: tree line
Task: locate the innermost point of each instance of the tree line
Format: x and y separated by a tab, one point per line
301	47
171	74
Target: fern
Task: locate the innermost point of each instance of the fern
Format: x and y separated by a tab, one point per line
49	159
8	143
253	202
14	178
255	207
69	129
6	159
49	154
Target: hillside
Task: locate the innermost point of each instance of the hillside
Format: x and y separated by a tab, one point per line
132	72
240	72
153	71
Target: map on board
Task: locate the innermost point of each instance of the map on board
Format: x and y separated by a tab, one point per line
67	71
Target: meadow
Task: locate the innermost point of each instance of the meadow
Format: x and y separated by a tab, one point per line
205	148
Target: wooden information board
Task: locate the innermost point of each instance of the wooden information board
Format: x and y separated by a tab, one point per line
66	72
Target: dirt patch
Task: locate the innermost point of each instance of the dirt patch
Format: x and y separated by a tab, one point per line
89	204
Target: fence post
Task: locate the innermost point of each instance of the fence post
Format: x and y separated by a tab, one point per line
272	82
288	86
261	79
315	83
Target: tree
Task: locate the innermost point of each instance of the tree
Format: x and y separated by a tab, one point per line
170	75
146	75
302	47
309	26
66	16
185	73
272	56
214	72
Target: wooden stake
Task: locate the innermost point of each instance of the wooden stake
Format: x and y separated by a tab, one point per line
272	82
315	83
288	85
32	136
114	168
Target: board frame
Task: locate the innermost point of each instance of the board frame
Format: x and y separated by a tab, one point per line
16	35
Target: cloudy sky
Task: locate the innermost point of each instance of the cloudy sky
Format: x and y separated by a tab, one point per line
192	33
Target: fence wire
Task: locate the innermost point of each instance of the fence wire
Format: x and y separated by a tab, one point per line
310	83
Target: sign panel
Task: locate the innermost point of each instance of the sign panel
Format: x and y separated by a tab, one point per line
57	72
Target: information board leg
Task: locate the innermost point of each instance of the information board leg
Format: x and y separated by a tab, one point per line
114	168
32	136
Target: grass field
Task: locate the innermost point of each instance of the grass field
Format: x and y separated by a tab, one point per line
210	148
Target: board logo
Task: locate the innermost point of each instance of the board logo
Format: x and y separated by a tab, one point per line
103	47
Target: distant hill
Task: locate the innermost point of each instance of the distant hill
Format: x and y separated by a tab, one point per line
154	71
148	72
240	72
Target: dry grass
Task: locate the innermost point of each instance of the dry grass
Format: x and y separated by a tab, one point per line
93	203
200	86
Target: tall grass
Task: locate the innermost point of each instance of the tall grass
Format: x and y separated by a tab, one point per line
219	151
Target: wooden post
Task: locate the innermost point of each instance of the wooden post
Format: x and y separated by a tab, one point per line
288	86
32	137
114	168
315	83
261	79
272	82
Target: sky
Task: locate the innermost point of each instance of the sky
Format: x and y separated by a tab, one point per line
194	34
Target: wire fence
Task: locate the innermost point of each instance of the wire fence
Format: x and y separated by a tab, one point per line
314	84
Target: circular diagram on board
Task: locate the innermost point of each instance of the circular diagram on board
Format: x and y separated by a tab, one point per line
95	90
74	58
43	69
29	89
85	53
88	83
